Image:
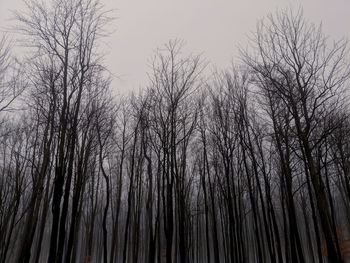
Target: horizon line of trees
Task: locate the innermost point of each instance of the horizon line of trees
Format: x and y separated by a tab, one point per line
249	164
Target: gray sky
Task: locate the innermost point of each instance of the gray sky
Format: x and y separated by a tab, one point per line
214	27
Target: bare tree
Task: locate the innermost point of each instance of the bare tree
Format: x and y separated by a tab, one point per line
294	62
173	81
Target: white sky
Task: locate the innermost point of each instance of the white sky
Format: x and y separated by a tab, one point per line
214	27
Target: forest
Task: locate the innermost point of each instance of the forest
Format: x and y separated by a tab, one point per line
246	164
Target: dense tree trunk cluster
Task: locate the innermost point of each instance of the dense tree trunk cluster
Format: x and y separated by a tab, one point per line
250	164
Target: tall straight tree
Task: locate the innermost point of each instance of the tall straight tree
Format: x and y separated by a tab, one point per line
292	60
67	31
173	82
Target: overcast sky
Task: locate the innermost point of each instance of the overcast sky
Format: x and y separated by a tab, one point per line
212	27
